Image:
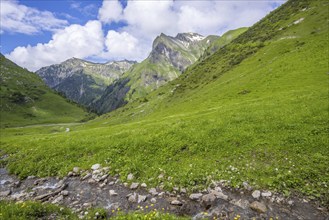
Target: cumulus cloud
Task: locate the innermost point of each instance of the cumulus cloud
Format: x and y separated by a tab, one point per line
73	41
136	26
110	11
17	18
120	46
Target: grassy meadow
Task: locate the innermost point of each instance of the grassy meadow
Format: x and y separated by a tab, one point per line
255	111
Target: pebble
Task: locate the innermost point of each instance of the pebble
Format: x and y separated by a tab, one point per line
86	176
58	199
143	185
153	200
130	176
134	186
113	193
76	169
256	194
111	183
65	193
266	194
176	202
96	166
153	192
132	197
141	198
195	196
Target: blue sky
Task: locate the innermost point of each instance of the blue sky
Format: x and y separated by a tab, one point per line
37	33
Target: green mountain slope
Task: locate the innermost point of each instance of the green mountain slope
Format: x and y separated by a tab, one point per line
170	56
254	111
83	81
25	99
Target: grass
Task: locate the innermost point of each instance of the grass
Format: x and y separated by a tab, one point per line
263	119
26	100
36	210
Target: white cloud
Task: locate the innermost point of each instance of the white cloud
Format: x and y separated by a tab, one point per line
120	46
73	41
17	18
110	11
143	20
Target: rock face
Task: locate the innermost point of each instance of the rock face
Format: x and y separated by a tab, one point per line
83	81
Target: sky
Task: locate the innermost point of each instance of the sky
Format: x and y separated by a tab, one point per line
38	33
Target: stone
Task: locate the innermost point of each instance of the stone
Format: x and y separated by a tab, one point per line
244	204
141	198
5	193
96	166
208	199
266	194
218	189
132	198
58	199
290	202
111	183
69	174
86	176
30	177
195	196
130	176
153	200
176	202
153	192
183	191
113	193
76	169
161	194
161	176
258	207
247	186
87	204
65	193
219	195
256	194
134	186
143	185
103	177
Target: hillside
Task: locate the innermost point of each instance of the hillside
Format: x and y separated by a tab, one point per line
25	99
169	58
82	81
255	113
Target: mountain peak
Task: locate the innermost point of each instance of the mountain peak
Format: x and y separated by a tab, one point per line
189	37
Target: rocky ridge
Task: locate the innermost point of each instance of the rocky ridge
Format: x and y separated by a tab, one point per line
83	81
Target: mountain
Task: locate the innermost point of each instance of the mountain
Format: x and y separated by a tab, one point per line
25	99
170	56
83	81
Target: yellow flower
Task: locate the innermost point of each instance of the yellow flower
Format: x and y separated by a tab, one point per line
113	211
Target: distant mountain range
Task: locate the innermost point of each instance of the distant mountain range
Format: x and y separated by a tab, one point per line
83	81
105	87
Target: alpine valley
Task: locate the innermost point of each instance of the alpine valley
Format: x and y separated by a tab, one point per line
206	127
